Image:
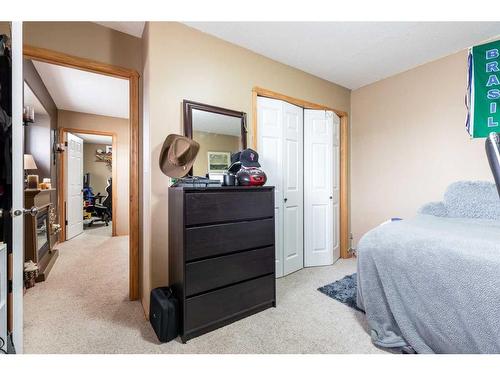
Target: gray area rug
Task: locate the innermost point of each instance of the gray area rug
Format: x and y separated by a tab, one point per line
343	290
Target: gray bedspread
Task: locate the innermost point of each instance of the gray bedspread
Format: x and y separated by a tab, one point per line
433	282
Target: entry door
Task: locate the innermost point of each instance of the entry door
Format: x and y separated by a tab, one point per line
280	147
74	186
321	179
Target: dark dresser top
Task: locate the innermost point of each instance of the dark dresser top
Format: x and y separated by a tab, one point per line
223	188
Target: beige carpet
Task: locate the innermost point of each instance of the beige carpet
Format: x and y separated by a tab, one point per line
83	308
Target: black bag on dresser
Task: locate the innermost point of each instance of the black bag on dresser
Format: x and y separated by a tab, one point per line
163	314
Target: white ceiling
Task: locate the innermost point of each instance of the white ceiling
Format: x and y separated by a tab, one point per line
96	139
216	123
131	28
31	100
80	91
352	54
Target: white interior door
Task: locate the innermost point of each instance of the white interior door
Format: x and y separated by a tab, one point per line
269	146
321	198
17	187
74	186
293	188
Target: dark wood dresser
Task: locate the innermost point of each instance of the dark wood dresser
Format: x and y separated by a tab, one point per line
221	255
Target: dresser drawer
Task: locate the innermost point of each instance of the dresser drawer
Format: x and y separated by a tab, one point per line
213	307
209	274
213	240
216	207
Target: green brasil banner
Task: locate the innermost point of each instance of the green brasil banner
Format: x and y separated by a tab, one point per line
483	96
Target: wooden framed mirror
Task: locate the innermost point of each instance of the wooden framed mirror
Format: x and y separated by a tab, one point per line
219	131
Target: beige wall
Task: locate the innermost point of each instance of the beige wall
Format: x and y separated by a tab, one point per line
183	63
43	138
86	39
212	142
408	142
5	28
99	171
119	126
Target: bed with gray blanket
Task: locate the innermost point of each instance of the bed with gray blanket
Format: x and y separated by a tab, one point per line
433	282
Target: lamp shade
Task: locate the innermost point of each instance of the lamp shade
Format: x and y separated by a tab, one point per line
29	162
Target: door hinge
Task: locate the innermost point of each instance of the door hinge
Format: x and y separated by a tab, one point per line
66	143
65	222
9	286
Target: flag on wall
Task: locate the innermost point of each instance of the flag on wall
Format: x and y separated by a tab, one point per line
483	90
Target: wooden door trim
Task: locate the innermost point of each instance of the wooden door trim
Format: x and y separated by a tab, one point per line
62	59
61	192
344	154
259	91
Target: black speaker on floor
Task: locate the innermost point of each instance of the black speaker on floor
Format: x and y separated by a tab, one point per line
163	314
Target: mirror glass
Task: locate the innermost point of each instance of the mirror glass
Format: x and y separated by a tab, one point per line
219	135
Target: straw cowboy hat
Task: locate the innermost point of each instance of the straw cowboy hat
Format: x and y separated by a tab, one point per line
178	155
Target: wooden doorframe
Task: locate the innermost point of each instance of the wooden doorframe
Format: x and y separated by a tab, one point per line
344	156
62	59
61	186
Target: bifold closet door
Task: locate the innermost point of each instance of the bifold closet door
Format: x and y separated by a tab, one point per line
269	147
280	147
321	179
293	188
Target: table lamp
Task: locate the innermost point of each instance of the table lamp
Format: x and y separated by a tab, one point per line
29	164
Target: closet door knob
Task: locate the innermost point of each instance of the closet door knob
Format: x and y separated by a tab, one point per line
285	200
331	197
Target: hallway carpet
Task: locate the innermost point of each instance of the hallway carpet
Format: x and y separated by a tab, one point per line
83	308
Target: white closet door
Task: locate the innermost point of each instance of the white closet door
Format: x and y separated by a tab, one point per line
293	188
321	199
335	120
74	186
269	147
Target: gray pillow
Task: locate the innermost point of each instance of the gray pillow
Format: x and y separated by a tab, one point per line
434	208
472	199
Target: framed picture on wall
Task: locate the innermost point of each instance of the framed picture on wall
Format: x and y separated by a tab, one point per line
218	161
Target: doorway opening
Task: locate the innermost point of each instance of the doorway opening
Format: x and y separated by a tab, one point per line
130	220
90	189
89	114
98	175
